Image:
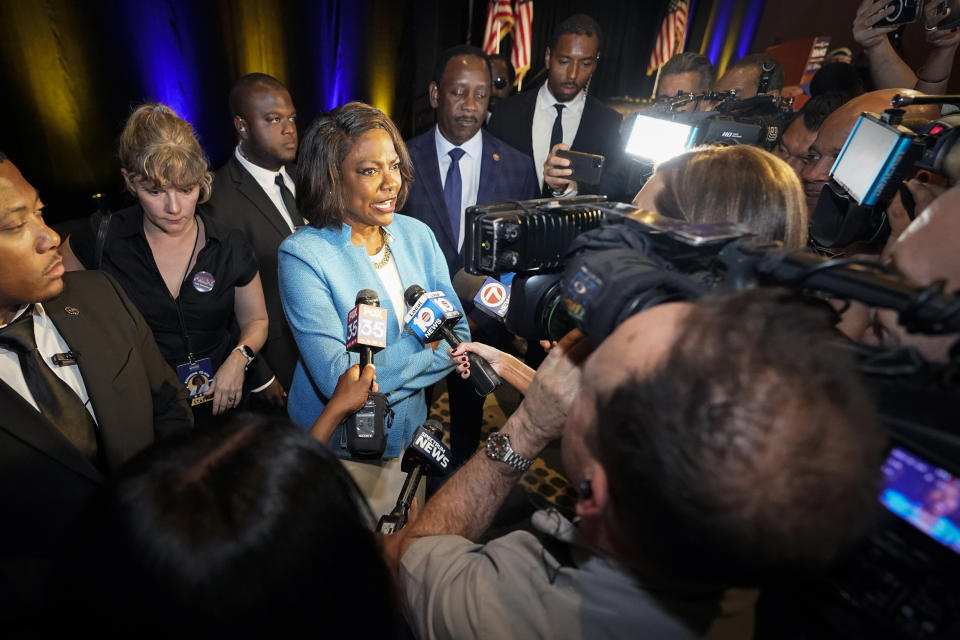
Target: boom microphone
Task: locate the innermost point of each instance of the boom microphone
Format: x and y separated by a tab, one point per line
426	456
431	316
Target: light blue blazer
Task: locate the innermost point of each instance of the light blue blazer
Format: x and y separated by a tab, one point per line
320	275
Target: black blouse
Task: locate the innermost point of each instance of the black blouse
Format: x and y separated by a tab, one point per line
206	294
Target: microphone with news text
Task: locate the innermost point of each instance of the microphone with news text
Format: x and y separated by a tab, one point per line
365	430
431	316
489	296
426	456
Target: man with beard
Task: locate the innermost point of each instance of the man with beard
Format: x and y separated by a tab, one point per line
560	112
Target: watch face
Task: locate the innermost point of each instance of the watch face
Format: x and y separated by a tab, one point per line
497	446
247	351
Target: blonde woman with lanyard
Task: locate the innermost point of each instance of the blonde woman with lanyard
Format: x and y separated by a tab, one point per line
194	280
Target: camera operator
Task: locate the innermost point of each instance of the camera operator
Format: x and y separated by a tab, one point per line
836	129
698	444
685	72
793	147
924	253
745	76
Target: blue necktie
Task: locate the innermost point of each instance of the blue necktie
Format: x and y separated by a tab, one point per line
453	191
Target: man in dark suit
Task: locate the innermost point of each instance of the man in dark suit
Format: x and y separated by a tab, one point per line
560	114
83	388
255	192
487	170
457	165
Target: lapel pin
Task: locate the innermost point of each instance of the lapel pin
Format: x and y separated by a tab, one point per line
72	311
496	157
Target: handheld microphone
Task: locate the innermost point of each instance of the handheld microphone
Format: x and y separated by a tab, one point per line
488	295
366	326
426	456
431	316
365	430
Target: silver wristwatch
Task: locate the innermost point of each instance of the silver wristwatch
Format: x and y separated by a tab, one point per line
498	448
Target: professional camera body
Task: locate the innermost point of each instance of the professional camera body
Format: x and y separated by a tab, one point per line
661	133
878	155
590	264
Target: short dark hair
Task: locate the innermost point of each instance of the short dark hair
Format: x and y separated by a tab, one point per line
460	50
3	156
245	86
817	108
229	530
511	73
690	61
579	24
753	448
325	146
757	61
837	76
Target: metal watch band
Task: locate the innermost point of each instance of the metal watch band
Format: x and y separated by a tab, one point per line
506	455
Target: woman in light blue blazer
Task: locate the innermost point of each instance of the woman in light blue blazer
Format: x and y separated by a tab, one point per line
354	172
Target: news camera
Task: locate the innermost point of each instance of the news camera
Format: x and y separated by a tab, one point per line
663	132
622	260
878	155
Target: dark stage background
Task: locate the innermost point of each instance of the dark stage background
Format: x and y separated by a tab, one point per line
71	71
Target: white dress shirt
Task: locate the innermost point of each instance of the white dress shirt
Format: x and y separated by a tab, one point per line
49	343
469	170
267	181
544	115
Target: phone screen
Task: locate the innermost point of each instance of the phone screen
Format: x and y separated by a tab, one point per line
924	495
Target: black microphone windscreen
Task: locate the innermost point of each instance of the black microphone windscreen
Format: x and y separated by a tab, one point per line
368	296
467	285
412	294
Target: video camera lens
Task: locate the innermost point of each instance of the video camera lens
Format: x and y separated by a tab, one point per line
499	82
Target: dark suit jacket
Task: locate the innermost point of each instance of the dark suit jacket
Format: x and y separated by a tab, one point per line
44	480
599	130
505	174
239	200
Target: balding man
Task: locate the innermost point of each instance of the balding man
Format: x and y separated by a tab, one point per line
924	253
695	436
255	192
836	129
751	73
83	388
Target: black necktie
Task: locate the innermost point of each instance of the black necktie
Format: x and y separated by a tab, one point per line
57	401
556	136
289	201
453	191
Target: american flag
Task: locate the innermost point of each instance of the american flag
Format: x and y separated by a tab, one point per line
670	38
499	23
522	33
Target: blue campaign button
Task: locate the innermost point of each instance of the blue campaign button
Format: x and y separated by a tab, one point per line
203	281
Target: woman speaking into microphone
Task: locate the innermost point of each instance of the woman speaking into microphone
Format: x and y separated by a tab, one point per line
354	172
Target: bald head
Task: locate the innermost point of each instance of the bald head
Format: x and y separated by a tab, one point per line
924	253
836	129
927	249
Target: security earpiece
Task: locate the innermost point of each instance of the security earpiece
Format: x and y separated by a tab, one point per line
585	490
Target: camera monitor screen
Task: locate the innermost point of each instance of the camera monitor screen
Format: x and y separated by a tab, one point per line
656	140
924	495
868	158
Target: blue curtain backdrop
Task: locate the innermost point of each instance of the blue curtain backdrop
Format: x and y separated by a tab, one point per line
71	71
